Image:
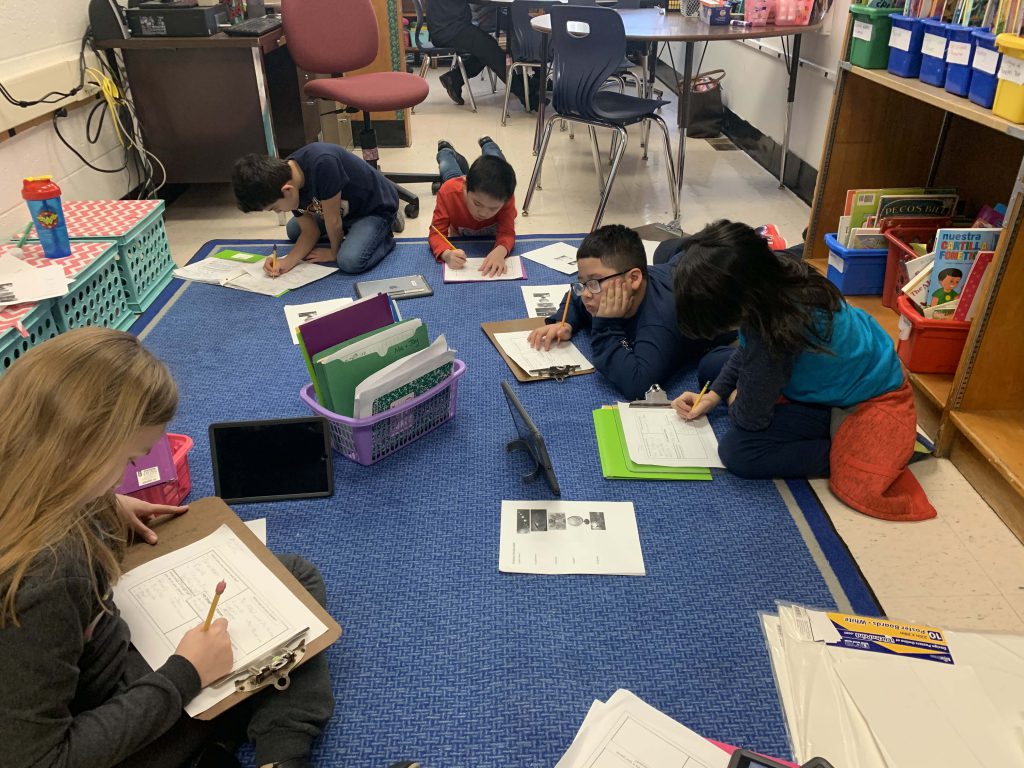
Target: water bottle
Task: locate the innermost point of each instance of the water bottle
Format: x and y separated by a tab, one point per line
43	198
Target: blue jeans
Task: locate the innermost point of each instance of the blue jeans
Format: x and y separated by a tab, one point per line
368	239
448	164
796	443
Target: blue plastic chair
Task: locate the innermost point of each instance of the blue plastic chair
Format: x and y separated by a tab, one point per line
582	61
527	45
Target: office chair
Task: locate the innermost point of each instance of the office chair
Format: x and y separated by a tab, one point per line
582	62
338	36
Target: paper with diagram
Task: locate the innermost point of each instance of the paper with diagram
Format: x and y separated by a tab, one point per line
660	437
560	355
543	300
557	256
297	314
164	598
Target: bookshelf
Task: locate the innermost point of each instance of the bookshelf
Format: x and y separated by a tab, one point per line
888	131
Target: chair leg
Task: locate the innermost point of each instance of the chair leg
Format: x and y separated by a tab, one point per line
526	87
465	82
670	164
535	178
509	72
595	151
494	81
620	151
423	67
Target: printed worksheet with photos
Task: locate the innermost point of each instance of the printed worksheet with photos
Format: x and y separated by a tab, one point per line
561	537
543	300
660	437
557	256
565	353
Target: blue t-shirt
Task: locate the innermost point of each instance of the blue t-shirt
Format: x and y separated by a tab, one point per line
329	170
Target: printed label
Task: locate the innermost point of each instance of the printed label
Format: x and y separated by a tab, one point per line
934	45
1012	70
985	60
905	328
864	633
900	38
958	53
836	263
863	31
148	476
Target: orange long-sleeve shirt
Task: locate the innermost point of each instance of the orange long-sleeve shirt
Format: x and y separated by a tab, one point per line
452	217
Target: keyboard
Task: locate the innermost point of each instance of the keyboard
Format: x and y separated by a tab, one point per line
254	27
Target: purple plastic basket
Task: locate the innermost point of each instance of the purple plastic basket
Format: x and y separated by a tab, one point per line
369	440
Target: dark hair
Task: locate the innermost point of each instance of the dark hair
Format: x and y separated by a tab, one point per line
492	176
618	248
258	179
951	272
729	278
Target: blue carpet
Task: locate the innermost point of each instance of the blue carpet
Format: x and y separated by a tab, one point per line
444	659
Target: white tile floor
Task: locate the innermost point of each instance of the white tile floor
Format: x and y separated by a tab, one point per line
963	569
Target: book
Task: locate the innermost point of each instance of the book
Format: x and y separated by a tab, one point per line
867	237
915	205
967	304
404	379
955	252
990	216
942	311
916	288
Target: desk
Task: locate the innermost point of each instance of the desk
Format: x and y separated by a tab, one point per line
653	26
205	101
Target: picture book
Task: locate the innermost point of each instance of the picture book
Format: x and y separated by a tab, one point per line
861	203
990	216
867	237
916	288
933	204
955	252
968	303
908	270
942	311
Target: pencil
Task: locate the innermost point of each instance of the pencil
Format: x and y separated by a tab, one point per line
446	240
273	259
697	401
221	585
568	296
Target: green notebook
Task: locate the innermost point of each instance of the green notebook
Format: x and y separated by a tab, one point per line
615	461
338	379
245	258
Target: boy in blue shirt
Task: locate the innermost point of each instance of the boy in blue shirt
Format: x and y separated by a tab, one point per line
331	193
630	311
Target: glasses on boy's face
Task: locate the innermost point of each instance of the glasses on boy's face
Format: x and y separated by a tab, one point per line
593	285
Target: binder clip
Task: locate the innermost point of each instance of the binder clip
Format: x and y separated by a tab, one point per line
556	372
272	669
655	397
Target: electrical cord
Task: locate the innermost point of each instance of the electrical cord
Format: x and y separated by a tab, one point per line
53	96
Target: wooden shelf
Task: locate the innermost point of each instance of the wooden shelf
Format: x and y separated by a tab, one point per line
935	386
938	97
997	436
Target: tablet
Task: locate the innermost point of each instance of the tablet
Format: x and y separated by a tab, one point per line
405	287
530	440
272	460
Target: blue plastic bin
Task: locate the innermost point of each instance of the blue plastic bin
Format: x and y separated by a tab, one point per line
985	64
856	272
959	57
933	53
905	45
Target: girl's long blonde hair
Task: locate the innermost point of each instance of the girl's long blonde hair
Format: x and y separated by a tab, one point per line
67	408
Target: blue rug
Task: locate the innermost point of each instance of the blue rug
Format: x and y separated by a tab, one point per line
444	659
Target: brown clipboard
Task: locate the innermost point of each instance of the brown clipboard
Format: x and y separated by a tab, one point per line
203	518
510	326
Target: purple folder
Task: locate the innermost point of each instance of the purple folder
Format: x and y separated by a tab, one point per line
154	468
346	323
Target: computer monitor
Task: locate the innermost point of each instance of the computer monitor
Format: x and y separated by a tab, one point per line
530	440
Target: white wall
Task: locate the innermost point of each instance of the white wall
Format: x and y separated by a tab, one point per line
33	35
756	84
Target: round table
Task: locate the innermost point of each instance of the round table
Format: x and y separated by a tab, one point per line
654	25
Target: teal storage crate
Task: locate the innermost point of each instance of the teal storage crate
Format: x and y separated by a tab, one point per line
37	322
96	294
137	226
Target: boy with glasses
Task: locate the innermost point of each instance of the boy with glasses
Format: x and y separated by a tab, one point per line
630	311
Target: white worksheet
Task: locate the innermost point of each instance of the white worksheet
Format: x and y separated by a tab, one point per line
164	598
210	270
560	537
557	256
470	272
21	282
543	300
529	359
297	314
660	437
258	281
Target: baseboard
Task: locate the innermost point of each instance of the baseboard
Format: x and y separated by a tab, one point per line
800	177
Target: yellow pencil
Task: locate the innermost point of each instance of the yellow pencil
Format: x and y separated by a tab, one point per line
568	296
221	585
446	240
273	259
697	401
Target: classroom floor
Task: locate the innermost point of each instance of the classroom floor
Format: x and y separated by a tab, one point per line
963	569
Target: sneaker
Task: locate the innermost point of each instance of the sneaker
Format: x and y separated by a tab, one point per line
484	140
398	223
453	87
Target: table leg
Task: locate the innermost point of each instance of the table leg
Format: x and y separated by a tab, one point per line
541	94
684	120
794	69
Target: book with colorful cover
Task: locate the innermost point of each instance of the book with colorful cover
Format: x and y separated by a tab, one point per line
955	252
967	305
867	237
916	288
928	204
863	203
990	216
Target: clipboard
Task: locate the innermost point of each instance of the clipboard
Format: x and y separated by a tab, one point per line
203	518
511	326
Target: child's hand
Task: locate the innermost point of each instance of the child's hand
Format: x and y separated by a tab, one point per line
136	513
209	652
684	404
454	259
284	264
616	299
321	256
494	264
543	338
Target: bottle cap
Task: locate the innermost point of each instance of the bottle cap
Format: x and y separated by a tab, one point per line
39	188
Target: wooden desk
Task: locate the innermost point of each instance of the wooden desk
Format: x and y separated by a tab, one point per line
205	101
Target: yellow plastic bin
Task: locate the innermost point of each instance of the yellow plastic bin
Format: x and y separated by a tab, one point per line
1009	101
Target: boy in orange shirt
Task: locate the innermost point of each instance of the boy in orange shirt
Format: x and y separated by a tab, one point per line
473	202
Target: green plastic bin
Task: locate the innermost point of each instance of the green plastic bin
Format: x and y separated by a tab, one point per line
869	43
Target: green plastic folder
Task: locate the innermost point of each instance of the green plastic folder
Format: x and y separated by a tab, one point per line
240	256
338	379
615	461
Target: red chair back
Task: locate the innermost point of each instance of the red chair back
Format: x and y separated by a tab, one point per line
330	36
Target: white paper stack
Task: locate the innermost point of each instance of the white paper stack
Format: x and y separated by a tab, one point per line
21	282
251	277
405	378
874	693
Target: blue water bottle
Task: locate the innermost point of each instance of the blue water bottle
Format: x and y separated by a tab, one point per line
43	197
